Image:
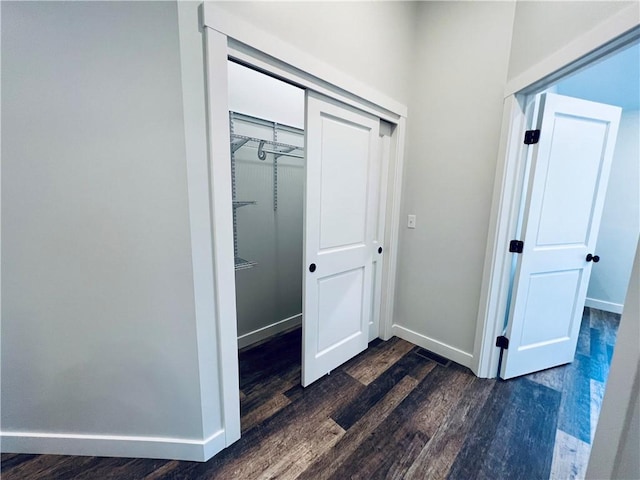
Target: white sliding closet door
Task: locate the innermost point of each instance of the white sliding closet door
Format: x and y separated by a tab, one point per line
340	206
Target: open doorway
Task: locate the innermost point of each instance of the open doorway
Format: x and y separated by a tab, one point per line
610	209
605	79
509	191
577	224
266	123
266	119
613	81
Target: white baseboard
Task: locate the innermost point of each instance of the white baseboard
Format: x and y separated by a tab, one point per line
269	331
602	305
113	445
447	351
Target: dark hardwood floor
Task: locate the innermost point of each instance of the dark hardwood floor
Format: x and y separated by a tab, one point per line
390	413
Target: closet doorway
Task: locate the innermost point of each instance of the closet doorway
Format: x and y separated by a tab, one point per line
308	218
266	123
228	37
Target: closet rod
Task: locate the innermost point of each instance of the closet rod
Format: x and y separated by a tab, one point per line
279	154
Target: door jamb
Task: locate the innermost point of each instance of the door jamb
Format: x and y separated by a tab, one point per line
602	41
229	37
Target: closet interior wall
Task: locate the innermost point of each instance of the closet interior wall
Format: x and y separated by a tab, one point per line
268	224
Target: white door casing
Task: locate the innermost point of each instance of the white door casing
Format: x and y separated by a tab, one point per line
341	148
569	174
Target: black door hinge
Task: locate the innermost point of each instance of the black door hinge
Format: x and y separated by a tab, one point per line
516	246
503	343
531	137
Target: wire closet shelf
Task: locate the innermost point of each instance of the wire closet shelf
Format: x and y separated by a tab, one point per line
277	149
263	147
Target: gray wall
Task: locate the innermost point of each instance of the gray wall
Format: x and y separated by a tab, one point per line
628	462
98	330
370	41
453	132
466	52
617	440
542	27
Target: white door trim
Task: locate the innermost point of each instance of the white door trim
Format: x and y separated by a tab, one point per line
257	59
298	61
230	37
222	233
205	276
599	42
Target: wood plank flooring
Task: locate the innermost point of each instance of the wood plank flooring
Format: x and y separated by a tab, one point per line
389	413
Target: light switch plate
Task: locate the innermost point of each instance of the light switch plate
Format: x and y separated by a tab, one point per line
411	221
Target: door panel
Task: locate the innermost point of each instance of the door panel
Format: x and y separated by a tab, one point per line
340	198
343	190
340	306
568	162
543	321
567	185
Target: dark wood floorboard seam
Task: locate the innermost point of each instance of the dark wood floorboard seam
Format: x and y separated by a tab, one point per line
388	413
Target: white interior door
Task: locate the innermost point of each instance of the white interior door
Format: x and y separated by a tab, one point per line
569	173
341	148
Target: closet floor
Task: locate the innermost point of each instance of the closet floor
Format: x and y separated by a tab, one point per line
388	413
